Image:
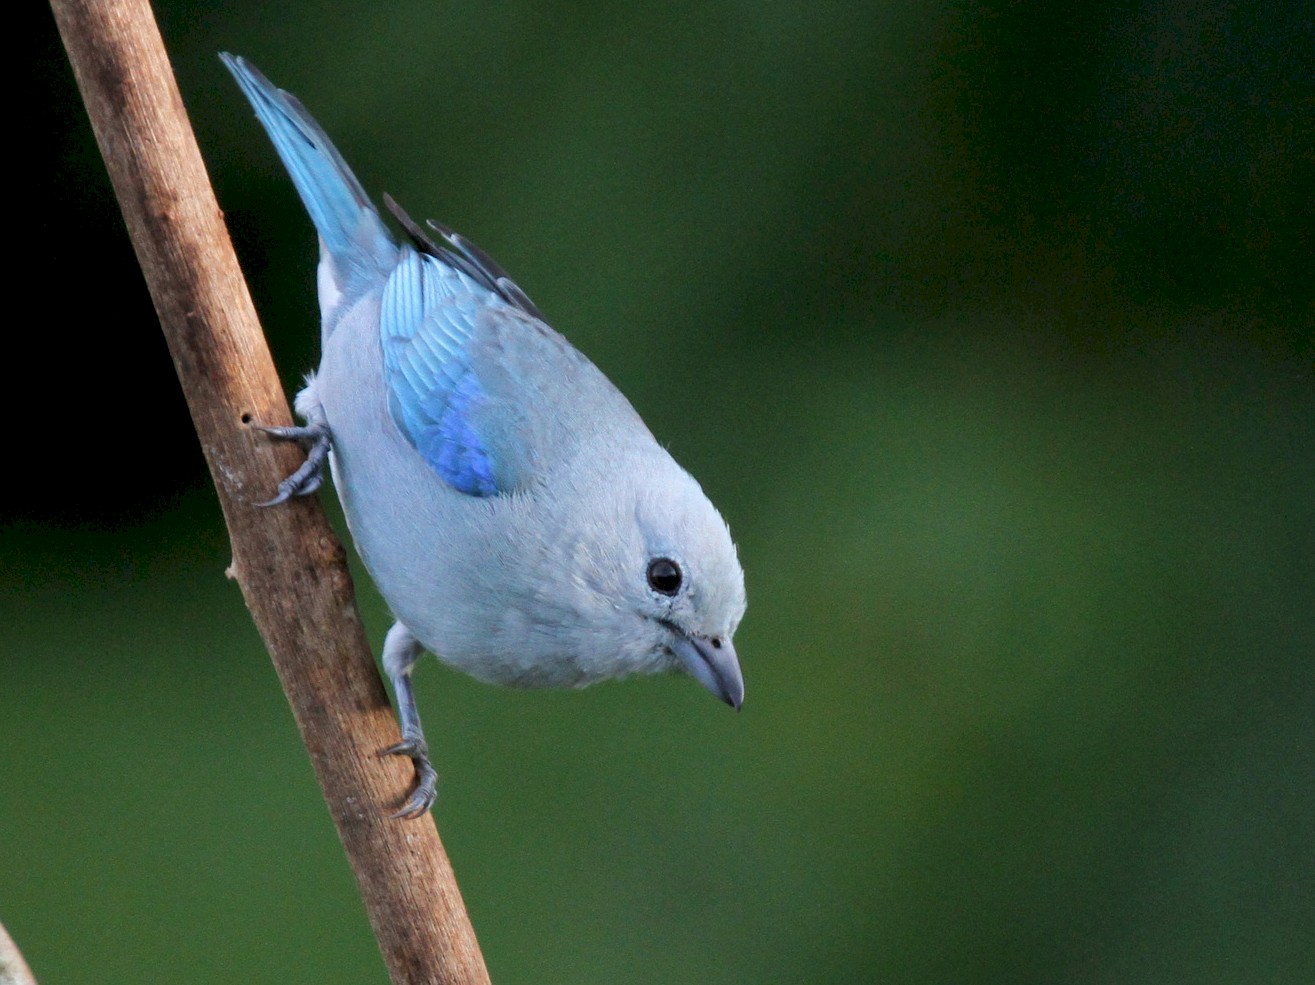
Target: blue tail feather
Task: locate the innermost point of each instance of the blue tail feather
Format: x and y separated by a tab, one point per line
343	215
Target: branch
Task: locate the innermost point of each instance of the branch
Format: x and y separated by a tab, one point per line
290	566
13	969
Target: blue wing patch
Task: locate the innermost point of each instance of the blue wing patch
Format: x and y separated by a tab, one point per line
452	445
428	317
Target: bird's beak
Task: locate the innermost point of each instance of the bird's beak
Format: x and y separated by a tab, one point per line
712	662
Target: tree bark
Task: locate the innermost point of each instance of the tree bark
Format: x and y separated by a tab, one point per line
13	969
287	560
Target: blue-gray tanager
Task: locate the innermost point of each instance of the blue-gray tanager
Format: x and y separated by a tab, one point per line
518	517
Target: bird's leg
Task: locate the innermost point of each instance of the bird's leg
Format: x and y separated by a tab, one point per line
401	651
314	436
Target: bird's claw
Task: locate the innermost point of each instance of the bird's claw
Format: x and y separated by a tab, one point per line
303	482
317	441
426	789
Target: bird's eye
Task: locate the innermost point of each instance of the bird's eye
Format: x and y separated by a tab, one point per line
664	576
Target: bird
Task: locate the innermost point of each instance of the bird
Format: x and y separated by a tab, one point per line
520	520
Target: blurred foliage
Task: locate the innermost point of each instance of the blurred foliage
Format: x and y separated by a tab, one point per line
989	327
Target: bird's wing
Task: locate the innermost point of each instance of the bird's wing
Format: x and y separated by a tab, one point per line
428	321
484	391
487	393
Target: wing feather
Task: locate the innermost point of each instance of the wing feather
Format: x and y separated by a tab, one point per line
428	319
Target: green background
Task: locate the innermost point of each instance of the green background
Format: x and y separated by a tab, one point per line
989	326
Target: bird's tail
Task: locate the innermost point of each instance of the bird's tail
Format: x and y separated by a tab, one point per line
346	221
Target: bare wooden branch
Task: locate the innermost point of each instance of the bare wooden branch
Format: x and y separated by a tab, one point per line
13	969
287	561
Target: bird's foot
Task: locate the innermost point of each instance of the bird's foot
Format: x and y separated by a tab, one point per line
317	441
426	789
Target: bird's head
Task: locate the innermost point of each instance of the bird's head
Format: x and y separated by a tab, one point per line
672	580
